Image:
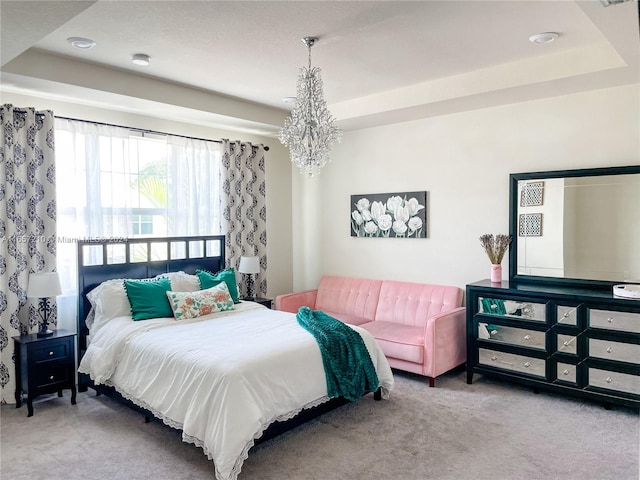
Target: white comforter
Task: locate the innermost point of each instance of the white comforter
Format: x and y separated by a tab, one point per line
222	378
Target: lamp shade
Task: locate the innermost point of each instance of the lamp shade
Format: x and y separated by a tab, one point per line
44	285
249	265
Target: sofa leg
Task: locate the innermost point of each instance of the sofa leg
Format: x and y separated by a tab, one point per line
432	382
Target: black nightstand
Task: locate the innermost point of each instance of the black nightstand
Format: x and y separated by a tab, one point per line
262	301
45	365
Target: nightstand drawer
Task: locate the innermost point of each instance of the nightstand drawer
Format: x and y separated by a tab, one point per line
48	377
51	351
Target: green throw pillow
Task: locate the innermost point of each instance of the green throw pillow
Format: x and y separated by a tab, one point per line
228	276
148	298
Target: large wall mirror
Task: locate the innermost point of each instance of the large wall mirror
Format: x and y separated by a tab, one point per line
576	227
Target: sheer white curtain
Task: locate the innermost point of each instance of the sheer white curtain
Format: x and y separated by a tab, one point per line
115	183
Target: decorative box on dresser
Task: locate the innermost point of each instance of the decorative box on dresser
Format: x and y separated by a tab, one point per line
578	341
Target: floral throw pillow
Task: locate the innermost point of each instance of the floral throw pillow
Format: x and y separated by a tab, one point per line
203	302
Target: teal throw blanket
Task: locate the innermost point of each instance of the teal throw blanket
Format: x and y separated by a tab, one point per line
347	365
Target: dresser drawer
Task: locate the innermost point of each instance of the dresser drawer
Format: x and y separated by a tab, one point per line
515	336
51	351
611	320
622	382
513	362
619	351
566	315
565	372
567	344
512	309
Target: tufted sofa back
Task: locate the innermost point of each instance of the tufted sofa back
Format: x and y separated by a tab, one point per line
414	303
357	297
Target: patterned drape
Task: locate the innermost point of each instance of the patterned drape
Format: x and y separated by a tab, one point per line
27	225
244	218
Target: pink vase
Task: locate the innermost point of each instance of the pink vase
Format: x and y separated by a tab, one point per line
496	273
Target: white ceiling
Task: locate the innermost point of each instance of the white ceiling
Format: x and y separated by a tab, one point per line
230	63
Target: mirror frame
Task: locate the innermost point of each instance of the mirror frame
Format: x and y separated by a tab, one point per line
514	202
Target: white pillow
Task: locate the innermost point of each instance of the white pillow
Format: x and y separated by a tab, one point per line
183	282
108	300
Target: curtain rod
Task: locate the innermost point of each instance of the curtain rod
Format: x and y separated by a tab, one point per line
153	132
141	130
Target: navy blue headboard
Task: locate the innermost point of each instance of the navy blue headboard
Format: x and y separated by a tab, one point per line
103	259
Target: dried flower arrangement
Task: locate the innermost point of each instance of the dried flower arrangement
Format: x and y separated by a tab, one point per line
495	246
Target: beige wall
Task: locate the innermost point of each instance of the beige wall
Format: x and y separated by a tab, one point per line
463	161
278	172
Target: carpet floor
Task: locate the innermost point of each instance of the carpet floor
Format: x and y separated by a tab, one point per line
486	431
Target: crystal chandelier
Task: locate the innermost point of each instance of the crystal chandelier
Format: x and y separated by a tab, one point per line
310	132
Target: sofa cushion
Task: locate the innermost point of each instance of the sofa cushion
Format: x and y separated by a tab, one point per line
413	303
404	342
346	318
356	297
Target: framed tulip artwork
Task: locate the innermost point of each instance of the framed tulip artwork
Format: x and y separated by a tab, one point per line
389	215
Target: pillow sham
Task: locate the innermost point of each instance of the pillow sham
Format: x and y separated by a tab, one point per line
228	276
108	300
202	302
148	298
183	282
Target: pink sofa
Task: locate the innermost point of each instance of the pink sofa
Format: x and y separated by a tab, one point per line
420	327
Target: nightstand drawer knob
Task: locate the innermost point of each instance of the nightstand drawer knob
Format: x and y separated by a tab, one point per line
609	379
610	319
494	358
609	349
566	315
50	354
51	377
565	372
566	344
527	364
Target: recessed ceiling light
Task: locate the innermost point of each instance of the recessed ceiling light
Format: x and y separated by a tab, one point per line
546	37
289	99
141	59
80	42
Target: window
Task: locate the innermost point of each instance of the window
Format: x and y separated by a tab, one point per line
112	182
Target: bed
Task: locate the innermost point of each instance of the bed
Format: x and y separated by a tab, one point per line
226	379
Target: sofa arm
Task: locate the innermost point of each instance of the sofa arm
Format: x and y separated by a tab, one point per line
445	342
291	302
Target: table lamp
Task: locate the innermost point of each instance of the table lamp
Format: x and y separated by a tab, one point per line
44	286
248	266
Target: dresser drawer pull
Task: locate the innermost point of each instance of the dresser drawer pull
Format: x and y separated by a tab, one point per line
566	344
51	377
609	379
609	349
494	358
565	372
527	364
566	315
50	354
610	319
527	337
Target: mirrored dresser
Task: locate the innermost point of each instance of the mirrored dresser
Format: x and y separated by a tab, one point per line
578	341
